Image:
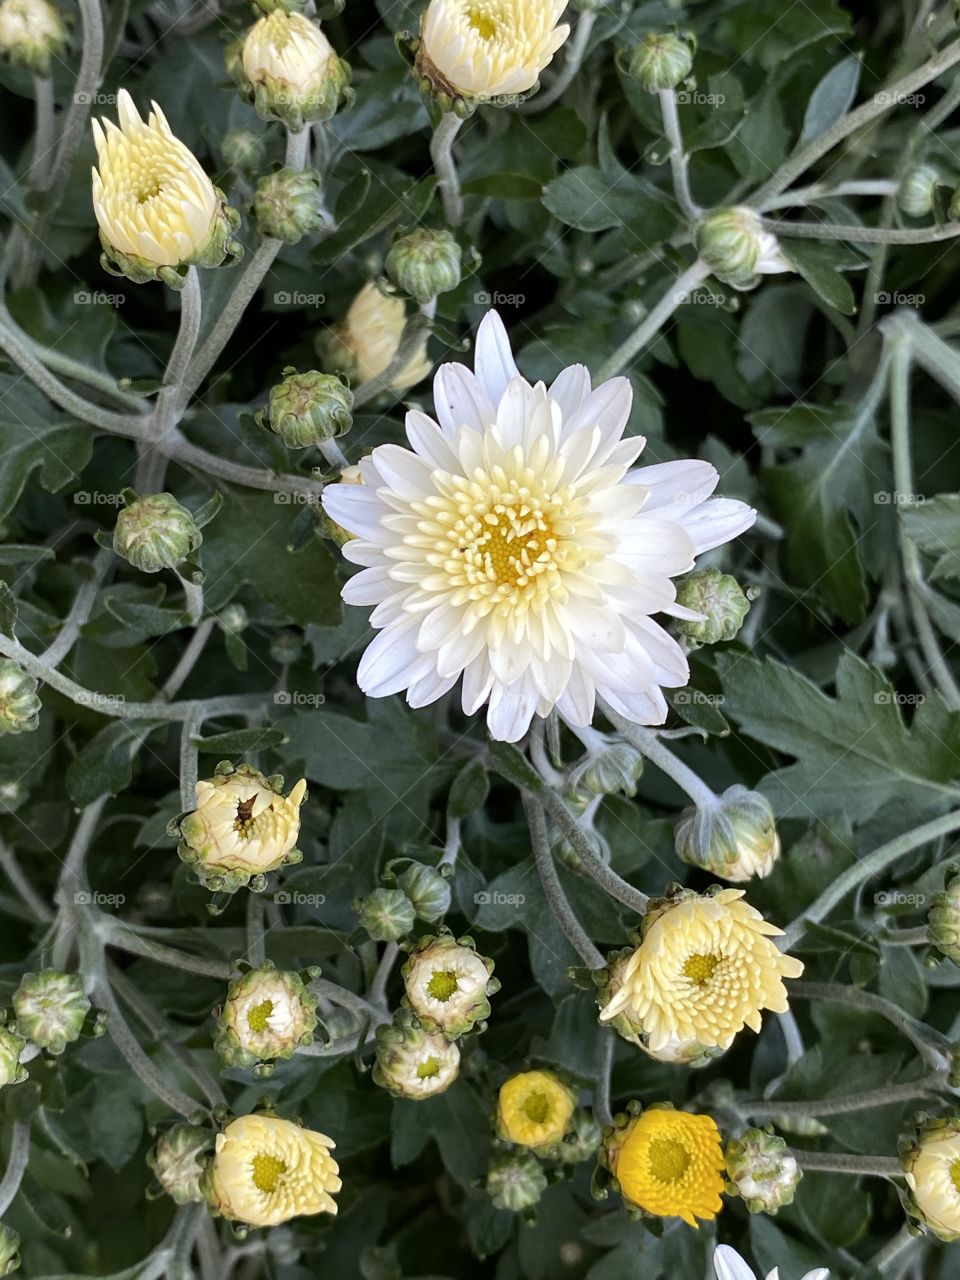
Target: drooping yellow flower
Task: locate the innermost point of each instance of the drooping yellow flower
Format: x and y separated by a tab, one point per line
266	1171
488	48
932	1170
668	1163
534	1110
288	69
705	968
157	209
242	827
367	342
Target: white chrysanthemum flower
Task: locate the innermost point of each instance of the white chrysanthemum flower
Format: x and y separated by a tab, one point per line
513	545
486	48
728	1265
933	1176
288	49
266	1171
447	985
153	201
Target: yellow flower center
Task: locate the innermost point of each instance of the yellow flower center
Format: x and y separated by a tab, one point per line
146	187
955	1174
429	1068
669	1159
482	23
537	1106
267	1172
700	968
442	985
259	1015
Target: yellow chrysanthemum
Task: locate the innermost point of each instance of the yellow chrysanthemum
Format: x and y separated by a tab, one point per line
266	1171
704	970
487	48
669	1163
369	338
534	1109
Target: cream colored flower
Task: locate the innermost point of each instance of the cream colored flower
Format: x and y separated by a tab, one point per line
534	1109
367	342
31	32
267	1014
156	207
488	48
242	827
933	1175
414	1063
266	1171
705	968
447	985
289	69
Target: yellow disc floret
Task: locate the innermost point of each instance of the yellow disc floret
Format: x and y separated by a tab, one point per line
670	1164
535	1109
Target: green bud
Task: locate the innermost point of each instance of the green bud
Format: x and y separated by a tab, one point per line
267	1014
736	838
9	1250
386	914
11	1047
155	533
720	598
737	248
943	920
413	1062
660	61
243	150
448	985
233	619
581	1141
32	34
428	889
177	1161
288	204
286	647
915	194
762	1170
19	704
425	263
613	769
51	1008
516	1181
308	408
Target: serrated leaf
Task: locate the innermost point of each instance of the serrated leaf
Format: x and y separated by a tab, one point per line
36	437
935	527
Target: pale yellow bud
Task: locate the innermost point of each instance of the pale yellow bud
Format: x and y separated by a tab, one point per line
289	70
367	342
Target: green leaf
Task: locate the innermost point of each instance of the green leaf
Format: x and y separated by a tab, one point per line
819	265
34	436
854	754
8	611
510	762
470	789
104	764
241	741
831	99
935	527
589	200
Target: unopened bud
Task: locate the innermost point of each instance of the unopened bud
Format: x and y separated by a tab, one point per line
51	1008
719	598
386	914
412	1062
428	889
917	188
177	1161
735	838
19	704
288	204
155	532
762	1170
425	263
308	408
737	247
660	61
243	150
32	33
515	1181
286	67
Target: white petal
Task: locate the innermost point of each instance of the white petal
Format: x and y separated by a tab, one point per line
461	401
494	362
389	660
717	521
676	487
571	389
407	475
477	683
578	700
429	442
729	1265
655	545
422	692
607	408
368	587
646	707
516	408
511	709
669	661
355	508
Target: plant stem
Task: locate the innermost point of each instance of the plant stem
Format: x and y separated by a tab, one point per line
819	191
593	865
80	610
441	153
912	565
378	988
674	297
572	929
932	1046
575	53
649	745
862	235
42	128
601	1094
176	446
804	157
866	869
14	873
679	161
114	933
364	1009
830	1162
170	404
918	937
844	1105
16	1164
256	942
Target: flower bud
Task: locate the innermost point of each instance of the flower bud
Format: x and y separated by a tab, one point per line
736	838
660	61
155	532
242	827
9	1250
366	344
613	769
19	704
447	985
177	1161
719	598
286	647
51	1008
233	619
738	249
157	210
943	920
535	1110
11	1047
428	889
412	1062
243	150
515	1181
308	408
386	914
287	69
267	1014
762	1170
917	188
581	1141
288	204
930	1165
425	263
32	32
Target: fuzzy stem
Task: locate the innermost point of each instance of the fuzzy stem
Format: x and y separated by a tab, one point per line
16	1164
862	235
114	933
256	940
575	53
674	297
593	865
80	611
679	161
830	1162
649	745
170	401
932	1046
768	1108
572	929
819	191
441	153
